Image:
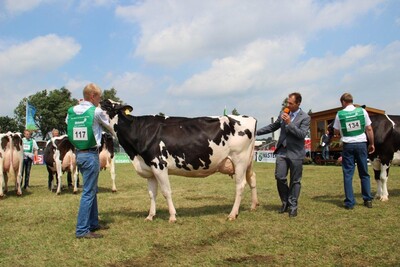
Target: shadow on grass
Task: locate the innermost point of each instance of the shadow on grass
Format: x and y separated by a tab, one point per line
70	190
181	212
336	200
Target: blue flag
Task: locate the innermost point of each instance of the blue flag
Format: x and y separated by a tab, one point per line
30	117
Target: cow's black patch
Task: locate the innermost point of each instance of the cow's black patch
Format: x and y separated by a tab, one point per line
386	138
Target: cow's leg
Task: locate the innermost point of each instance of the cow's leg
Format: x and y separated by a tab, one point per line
112	172
376	165
240	184
49	177
1	178
18	178
384	178
152	187
251	180
58	167
2	182
75	175
165	186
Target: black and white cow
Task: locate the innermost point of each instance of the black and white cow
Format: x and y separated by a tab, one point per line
106	156
387	142
192	147
59	157
11	160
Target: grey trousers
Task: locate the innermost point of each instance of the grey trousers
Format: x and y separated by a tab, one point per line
289	193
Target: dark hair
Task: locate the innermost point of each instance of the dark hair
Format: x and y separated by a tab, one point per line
347	98
297	96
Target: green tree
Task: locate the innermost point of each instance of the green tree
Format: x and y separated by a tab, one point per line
51	110
235	112
8	124
285	103
111	94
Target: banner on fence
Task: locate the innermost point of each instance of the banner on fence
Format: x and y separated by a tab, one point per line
122	158
265	156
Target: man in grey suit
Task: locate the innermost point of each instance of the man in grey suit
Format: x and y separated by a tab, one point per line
294	124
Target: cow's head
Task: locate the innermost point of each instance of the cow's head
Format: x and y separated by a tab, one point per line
113	108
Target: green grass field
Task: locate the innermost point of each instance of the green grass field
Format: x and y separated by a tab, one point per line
38	229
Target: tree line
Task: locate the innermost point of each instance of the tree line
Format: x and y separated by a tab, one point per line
51	111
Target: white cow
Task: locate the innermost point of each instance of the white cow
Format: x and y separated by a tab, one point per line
11	160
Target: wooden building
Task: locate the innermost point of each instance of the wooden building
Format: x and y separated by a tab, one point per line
319	124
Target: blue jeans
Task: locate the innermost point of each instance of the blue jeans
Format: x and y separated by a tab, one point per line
26	171
355	153
88	164
325	152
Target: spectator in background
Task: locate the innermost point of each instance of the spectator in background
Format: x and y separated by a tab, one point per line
55	133
325	142
30	154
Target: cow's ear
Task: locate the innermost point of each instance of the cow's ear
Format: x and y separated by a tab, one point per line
126	109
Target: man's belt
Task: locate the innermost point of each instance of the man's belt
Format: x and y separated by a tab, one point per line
92	149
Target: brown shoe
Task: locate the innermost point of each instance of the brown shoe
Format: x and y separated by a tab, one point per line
90	235
100	227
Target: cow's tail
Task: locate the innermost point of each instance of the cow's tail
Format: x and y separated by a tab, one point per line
250	174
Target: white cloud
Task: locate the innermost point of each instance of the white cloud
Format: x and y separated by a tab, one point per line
76	87
252	69
16	7
43	53
174	32
130	83
87	4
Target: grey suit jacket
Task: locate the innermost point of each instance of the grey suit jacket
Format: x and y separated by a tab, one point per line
292	135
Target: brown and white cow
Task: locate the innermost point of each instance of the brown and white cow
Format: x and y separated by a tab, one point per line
387	142
192	147
106	156
11	160
59	157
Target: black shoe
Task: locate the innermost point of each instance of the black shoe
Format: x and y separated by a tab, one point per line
368	203
283	209
100	227
90	235
293	213
348	207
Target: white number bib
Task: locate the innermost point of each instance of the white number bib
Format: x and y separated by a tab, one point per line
353	126
80	133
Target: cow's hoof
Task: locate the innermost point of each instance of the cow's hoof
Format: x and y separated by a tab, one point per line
383	199
149	219
1	196
114	190
58	193
75	192
231	218
172	221
254	207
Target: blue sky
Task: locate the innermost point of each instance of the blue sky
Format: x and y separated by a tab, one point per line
192	58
